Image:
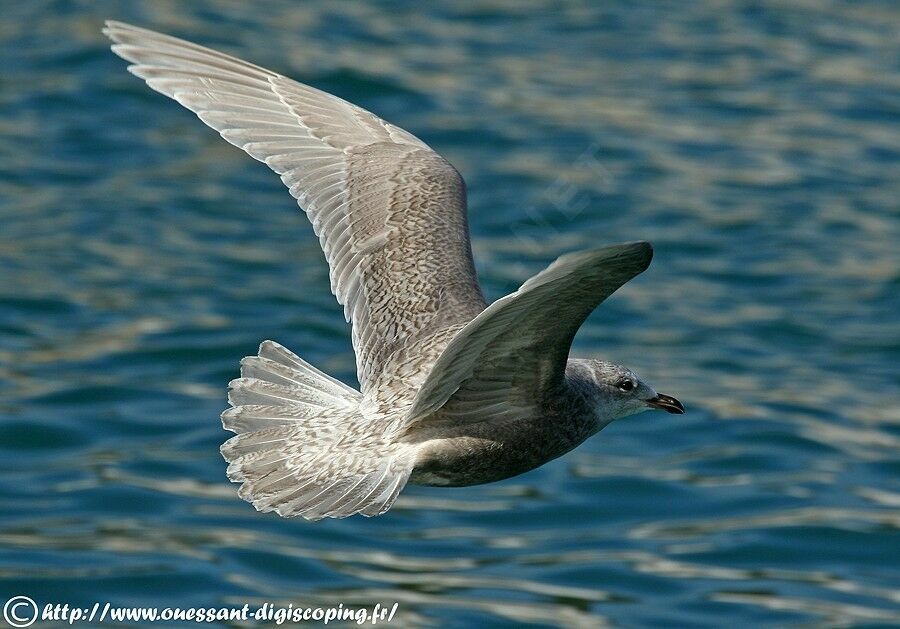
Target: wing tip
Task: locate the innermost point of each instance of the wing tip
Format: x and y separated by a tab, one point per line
635	256
113	27
643	250
638	252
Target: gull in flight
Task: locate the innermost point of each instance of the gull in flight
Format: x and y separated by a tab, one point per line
453	391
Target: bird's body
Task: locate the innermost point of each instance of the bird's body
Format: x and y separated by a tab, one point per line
486	452
453	391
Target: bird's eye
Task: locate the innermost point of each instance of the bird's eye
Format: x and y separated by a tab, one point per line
626	385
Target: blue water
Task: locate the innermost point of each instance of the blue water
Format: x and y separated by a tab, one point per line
756	144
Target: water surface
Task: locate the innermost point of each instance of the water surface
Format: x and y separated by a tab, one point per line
756	144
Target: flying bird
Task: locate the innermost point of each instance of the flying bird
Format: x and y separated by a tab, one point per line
452	391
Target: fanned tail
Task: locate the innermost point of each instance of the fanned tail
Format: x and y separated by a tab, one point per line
302	447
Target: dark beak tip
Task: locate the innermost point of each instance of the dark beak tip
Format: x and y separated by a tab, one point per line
667	403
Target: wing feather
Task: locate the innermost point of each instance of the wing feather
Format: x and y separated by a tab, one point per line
389	212
515	352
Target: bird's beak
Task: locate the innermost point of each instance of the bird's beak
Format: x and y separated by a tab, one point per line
666	403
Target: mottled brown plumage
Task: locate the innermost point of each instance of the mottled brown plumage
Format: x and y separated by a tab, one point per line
452	391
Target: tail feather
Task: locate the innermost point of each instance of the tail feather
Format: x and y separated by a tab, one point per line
279	354
328	498
277	483
257	441
306	496
255	391
370	493
250	417
383	500
257	467
376	501
312	387
302	447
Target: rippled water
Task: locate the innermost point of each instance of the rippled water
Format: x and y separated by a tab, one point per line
756	144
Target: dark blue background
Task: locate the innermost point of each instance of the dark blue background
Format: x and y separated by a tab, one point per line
756	144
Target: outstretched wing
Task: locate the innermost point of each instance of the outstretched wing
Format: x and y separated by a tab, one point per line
390	213
515	351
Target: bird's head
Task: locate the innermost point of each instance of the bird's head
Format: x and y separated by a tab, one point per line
615	391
